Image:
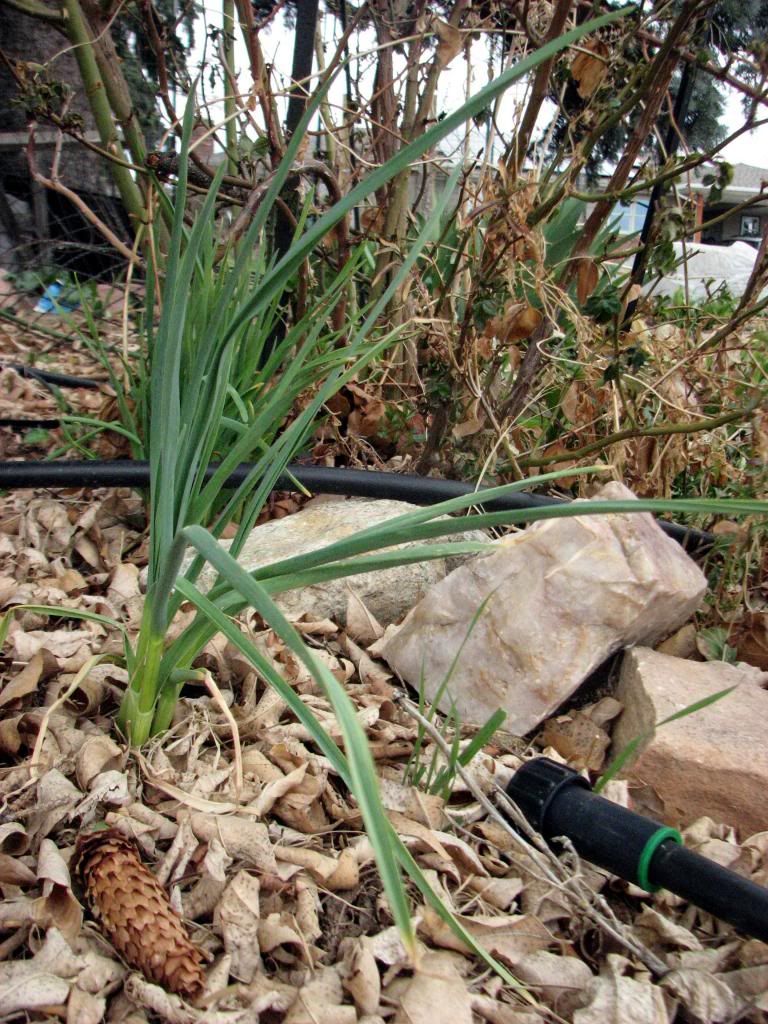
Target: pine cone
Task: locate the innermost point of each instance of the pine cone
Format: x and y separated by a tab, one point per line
134	912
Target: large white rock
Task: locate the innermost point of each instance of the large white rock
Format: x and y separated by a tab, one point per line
562	596
387	594
713	762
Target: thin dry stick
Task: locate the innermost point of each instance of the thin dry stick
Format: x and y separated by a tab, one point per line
55	185
238	750
537	849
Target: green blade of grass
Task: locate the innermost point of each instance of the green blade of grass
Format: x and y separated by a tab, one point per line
340	765
361	769
626	753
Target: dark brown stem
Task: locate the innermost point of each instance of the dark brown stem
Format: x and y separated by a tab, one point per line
529	367
660	76
522	140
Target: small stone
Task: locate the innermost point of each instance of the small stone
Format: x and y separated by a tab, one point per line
561	597
713	762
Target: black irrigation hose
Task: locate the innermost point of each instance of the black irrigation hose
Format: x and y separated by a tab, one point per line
17	424
60	380
363	483
558	802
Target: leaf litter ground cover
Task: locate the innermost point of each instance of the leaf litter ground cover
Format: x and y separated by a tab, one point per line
260	849
276	882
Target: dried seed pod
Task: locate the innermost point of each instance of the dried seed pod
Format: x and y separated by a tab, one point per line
133	911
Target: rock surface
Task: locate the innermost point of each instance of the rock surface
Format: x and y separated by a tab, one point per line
713	762
388	594
562	596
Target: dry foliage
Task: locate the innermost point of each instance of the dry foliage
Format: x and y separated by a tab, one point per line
275	882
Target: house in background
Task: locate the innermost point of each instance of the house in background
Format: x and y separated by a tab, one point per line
743	225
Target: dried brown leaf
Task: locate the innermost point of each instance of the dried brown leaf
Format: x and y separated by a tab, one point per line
589	67
578	739
237	919
84	1008
706	998
451	42
587	277
15	872
24	683
99	753
362	625
437	991
320	1002
560	980
359	974
615	998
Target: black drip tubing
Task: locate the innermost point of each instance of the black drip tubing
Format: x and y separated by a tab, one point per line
558	802
362	483
60	380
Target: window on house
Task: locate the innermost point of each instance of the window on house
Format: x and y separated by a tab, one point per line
750	226
632	216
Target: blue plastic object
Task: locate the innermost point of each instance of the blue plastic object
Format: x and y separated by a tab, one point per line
50	301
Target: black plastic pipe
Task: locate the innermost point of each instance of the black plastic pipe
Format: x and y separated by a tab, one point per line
60	380
557	801
362	483
24	424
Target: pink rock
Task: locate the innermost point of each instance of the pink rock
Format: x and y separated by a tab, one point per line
713	762
560	597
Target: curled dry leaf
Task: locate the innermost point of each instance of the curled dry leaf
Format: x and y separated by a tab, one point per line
750	638
450	43
57	799
244	840
25	987
359	974
24	683
437	991
280	937
15	872
587	277
750	984
421	807
511	936
84	1008
560	980
237	918
654	928
589	67
13	839
166	1007
336	873
577	738
320	1002
99	753
615	998
362	625
58	906
706	998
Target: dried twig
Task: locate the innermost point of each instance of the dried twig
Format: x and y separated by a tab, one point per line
569	883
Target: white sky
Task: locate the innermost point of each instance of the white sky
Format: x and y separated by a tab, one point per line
277	44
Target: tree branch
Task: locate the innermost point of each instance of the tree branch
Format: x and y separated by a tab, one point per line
35	9
660	430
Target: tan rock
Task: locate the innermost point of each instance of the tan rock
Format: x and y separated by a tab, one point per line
388	594
561	597
713	762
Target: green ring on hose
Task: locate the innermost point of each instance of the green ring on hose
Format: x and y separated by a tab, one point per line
649	850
